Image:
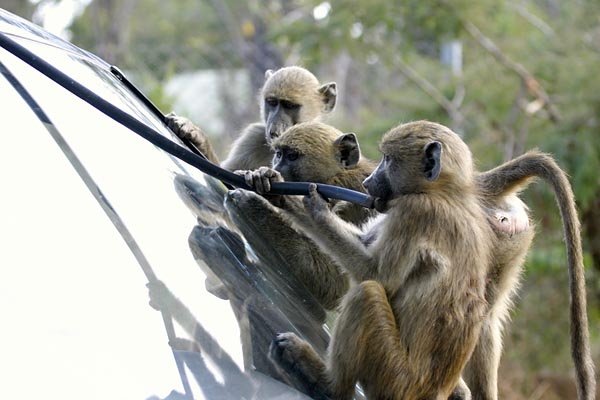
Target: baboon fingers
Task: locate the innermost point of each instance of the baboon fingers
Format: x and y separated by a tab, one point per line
262	183
247	175
260	179
264	176
181	126
314	203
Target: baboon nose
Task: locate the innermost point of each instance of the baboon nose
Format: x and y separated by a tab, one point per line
272	131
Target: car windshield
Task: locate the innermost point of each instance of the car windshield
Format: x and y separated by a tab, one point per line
118	279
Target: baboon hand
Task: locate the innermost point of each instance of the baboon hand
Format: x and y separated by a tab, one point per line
315	204
260	179
242	200
184	128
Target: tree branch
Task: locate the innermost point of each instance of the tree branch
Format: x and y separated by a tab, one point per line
450	107
542	100
531	83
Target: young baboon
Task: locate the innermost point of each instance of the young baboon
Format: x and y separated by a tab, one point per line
317	152
408	328
289	96
310	151
497	188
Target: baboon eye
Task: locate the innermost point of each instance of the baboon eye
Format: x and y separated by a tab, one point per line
278	154
292	155
289	105
271	101
386	158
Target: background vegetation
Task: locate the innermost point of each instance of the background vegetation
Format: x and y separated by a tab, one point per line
525	76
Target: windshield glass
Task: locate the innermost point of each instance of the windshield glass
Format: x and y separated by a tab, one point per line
98	223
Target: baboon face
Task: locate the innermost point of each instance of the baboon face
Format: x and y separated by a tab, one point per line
288	161
293	95
280	114
411	162
314	152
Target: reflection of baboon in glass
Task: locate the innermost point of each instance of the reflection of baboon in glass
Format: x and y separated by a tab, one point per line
263	300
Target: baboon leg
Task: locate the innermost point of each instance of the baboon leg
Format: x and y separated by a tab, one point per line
365	345
481	373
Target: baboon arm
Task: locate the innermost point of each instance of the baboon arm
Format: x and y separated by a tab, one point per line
340	239
250	150
297	210
281	247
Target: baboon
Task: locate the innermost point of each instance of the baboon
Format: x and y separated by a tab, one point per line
317	152
498	188
310	151
409	327
289	96
514	233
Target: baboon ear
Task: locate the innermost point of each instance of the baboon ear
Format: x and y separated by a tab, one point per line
329	93
268	73
432	160
347	150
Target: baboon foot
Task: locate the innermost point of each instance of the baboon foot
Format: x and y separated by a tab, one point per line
461	392
297	358
242	199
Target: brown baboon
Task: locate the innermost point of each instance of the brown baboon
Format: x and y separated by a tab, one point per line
497	188
311	151
289	96
317	152
409	327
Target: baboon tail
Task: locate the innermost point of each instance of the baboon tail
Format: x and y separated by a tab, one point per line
508	178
